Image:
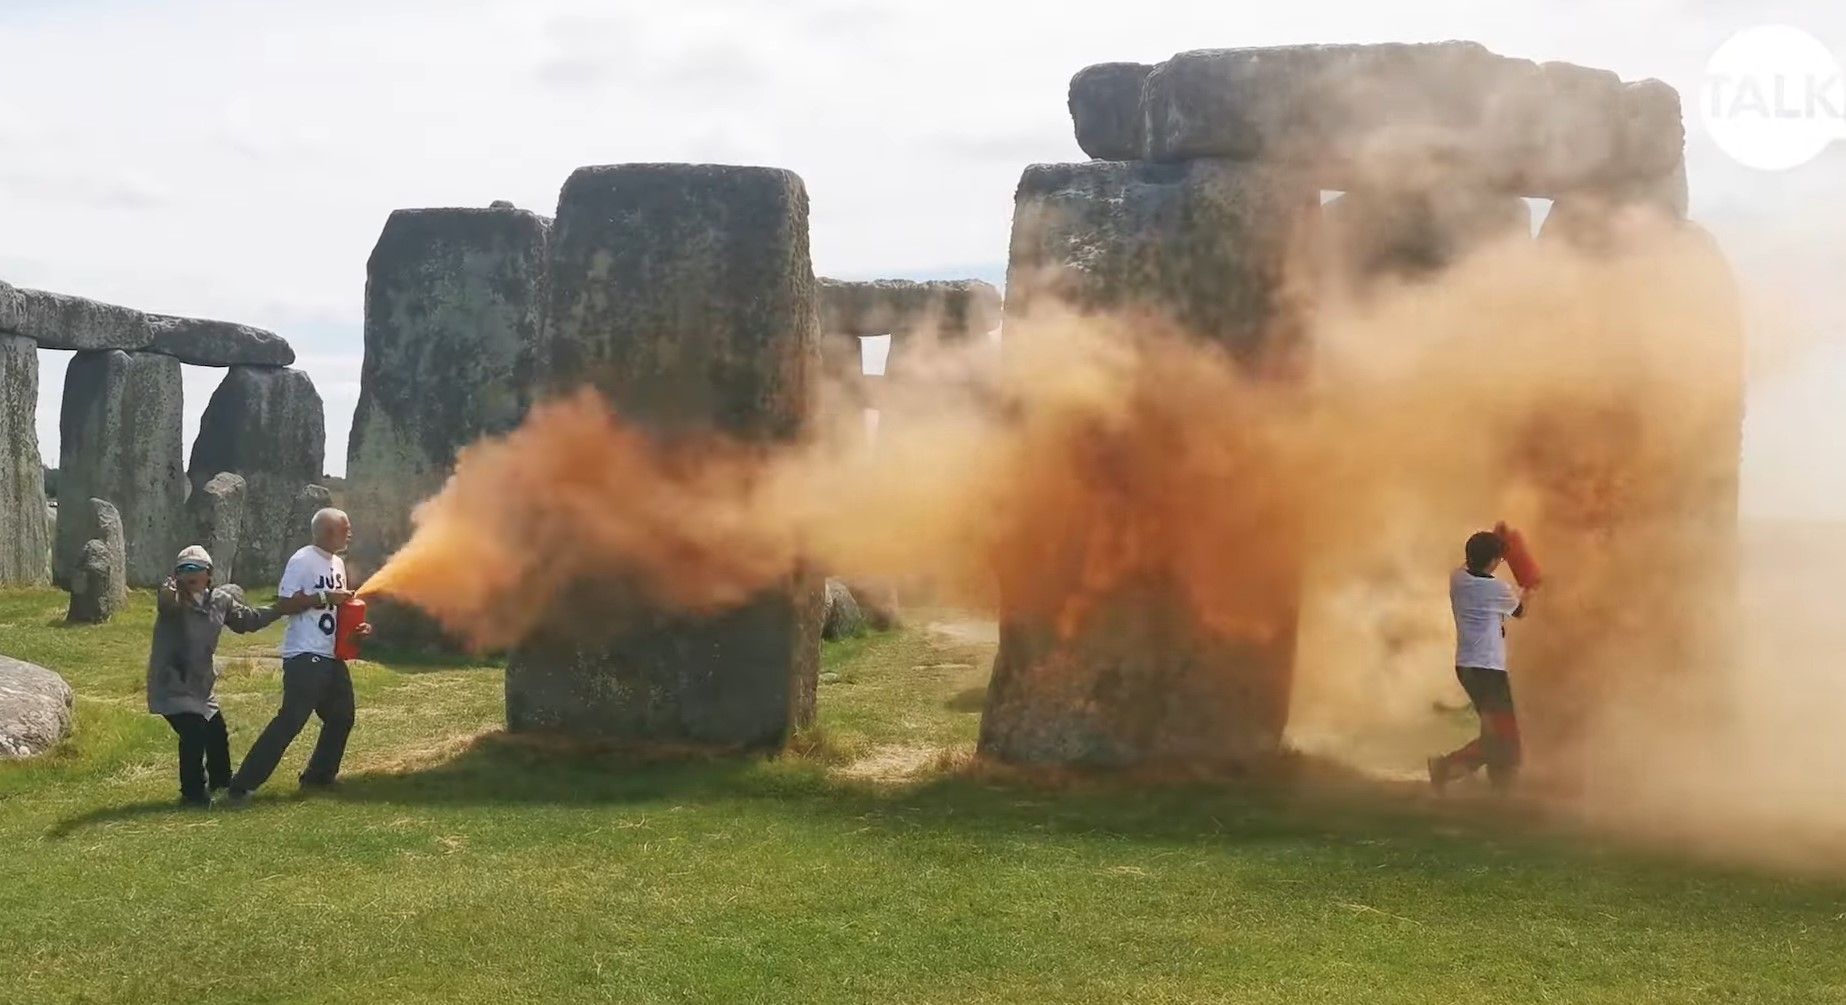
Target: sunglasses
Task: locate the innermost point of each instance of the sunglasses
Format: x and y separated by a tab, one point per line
190	567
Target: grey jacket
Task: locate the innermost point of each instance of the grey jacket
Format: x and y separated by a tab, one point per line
180	674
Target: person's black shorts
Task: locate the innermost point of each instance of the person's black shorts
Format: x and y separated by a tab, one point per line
1489	690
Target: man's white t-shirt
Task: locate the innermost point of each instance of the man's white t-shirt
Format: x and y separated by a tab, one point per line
1482	604
311	570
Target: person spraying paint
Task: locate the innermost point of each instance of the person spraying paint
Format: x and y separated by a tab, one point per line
181	680
1481	603
315	680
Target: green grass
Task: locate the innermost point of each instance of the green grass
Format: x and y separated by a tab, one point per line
875	865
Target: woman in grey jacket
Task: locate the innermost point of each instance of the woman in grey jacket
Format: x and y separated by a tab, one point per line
181	679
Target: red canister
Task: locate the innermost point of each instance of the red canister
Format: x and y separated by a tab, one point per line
1519	557
346	630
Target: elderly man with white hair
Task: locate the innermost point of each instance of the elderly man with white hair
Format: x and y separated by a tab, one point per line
313	681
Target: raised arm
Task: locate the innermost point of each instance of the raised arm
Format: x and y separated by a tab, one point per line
166	598
243	619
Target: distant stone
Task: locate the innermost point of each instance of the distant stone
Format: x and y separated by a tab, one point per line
120	440
840	614
1105	106
947	309
879	604
35	709
99	580
500	204
61	321
218	510
25	535
218	343
268	425
829	678
311	499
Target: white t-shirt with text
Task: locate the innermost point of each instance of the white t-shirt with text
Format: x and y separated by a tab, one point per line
1482	604
311	570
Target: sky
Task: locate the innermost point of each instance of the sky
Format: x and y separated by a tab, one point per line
238	160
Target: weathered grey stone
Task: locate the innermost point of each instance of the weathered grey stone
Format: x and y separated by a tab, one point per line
217	343
1139	683
300	525
684	294
1105	106
266	424
35	708
1210	251
1215	248
120	440
99	582
218	514
840	614
947	309
61	321
916	314
25	535
1329	109
878	602
453	300
1409	234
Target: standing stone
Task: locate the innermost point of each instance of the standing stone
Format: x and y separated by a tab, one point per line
1636	522
684	294
1215	248
841	617
35	708
120	440
266	424
218	515
1105	106
25	541
300	529
99	583
453	301
1213	252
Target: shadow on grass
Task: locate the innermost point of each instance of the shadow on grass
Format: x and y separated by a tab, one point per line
1297	800
973	699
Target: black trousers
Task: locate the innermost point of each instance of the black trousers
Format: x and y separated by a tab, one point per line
311	685
204	754
1498	747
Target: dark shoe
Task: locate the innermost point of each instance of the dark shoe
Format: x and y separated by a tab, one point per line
236	799
1439	777
312	786
195	802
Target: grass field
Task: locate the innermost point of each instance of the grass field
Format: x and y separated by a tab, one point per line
874	864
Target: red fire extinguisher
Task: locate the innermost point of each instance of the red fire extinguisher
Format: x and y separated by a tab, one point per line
346	630
1519	557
